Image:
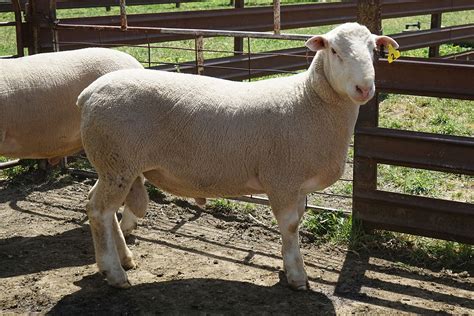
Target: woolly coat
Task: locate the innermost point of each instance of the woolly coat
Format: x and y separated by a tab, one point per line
205	137
38	116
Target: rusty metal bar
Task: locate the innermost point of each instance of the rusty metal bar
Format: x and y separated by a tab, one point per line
76	4
419	39
265	201
186	32
417	215
123	15
428	78
276	17
7	24
245	198
464	56
10	164
445	153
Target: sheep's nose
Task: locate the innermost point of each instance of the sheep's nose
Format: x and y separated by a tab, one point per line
364	92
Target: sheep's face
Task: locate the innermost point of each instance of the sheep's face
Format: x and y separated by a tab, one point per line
348	52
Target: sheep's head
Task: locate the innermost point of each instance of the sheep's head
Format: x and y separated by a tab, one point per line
348	52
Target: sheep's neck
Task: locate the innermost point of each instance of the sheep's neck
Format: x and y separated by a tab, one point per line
319	82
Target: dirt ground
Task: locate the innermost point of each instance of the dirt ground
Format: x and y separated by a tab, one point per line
198	262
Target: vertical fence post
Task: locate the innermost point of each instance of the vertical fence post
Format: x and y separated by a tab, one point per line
199	46
41	15
238	41
53	19
18	26
276	17
365	170
435	23
123	15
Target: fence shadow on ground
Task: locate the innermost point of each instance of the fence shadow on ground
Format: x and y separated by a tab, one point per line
191	296
359	272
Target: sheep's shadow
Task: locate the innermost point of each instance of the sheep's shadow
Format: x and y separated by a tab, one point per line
26	255
191	296
21	186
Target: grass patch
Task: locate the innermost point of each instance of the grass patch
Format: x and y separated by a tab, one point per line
328	226
25	167
426	183
420	251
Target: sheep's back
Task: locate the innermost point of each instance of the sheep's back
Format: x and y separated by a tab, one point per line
38	95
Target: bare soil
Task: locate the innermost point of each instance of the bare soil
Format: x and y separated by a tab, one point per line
198	262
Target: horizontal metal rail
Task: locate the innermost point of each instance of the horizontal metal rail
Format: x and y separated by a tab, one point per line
9	164
416	215
446	153
464	56
419	39
256	19
247	198
428	78
7	24
77	4
179	31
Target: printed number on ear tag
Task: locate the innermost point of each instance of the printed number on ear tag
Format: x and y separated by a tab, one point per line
393	54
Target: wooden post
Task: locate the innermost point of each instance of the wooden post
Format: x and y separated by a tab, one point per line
365	170
41	15
123	15
435	23
18	26
238	41
199	46
276	17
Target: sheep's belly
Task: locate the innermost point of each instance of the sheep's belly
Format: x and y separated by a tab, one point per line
311	185
195	189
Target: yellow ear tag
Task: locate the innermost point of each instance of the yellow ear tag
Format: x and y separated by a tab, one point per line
393	54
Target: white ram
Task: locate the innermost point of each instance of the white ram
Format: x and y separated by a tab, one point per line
199	137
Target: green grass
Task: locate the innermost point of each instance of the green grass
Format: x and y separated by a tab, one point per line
328	226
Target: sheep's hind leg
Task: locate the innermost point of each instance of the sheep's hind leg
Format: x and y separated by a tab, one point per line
129	221
288	216
110	249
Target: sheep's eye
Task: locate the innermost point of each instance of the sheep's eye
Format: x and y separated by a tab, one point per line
333	51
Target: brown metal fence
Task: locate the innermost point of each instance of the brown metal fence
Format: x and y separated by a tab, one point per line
373	145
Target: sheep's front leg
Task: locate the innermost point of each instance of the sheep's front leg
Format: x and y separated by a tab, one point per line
288	218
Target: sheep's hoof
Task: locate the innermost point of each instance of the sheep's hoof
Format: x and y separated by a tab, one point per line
121	285
126	231
129	264
301	285
201	202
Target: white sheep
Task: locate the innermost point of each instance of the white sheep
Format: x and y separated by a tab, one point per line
196	136
38	94
38	113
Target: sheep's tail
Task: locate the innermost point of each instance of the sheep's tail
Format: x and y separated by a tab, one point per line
84	97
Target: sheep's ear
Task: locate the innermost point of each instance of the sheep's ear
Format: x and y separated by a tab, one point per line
382	40
316	43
